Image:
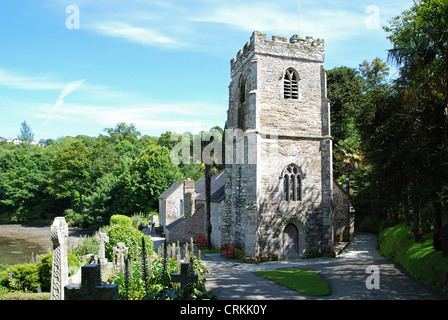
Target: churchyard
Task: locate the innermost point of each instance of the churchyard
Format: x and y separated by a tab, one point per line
117	263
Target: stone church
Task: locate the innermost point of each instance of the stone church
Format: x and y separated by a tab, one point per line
276	199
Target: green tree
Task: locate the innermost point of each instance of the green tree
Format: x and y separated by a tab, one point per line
146	178
420	49
123	131
26	133
70	172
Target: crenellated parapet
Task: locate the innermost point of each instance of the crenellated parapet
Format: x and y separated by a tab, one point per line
296	48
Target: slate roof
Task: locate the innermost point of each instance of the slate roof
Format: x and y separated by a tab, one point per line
217	181
217	192
171	189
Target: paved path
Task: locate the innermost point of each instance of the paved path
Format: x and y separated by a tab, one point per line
346	274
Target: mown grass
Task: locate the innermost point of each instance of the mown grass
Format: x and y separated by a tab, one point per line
420	260
304	281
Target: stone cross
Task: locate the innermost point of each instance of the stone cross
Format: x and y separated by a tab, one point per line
91	287
183	276
102	239
121	251
59	267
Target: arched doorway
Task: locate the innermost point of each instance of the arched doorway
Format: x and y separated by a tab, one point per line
293	241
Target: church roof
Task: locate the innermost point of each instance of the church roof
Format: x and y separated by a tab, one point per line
217	183
171	189
219	194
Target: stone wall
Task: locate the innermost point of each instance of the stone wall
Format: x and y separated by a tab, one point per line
344	218
183	229
171	207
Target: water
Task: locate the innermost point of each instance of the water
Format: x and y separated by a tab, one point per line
14	250
19	243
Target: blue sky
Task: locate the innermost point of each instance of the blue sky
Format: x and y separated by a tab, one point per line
161	65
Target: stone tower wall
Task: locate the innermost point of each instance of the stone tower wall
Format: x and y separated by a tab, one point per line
282	132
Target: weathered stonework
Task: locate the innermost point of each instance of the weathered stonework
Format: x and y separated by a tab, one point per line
279	132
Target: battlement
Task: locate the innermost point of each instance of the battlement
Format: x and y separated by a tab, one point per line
297	48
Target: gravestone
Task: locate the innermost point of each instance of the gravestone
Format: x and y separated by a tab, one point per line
121	251
102	239
183	277
59	268
91	287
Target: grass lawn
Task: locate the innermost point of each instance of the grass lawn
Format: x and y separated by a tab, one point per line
304	281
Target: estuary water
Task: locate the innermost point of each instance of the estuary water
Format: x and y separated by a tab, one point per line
20	243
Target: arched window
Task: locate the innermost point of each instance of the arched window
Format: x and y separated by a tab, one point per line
291	85
292	183
242	89
241	102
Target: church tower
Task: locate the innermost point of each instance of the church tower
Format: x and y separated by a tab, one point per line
278	151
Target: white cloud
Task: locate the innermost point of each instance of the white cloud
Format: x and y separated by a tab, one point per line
145	36
12	80
72	86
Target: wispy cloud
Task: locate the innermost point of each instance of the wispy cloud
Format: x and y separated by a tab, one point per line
72	86
16	81
124	30
146	115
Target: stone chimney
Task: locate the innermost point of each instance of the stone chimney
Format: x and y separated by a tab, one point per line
189	198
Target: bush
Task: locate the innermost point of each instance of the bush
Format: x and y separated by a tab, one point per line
122	220
44	269
131	237
22	277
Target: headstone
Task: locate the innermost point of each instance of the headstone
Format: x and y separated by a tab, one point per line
91	287
102	239
59	268
121	252
183	276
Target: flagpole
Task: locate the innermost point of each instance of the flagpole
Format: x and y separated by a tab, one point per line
299	20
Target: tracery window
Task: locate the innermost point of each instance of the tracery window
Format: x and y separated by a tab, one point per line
292	183
291	84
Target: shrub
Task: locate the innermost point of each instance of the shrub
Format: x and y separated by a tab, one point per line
122	220
44	268
23	277
131	237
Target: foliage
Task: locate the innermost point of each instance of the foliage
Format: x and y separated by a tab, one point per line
26	133
151	281
420	260
23	277
131	237
45	264
88	179
390	137
304	281
122	220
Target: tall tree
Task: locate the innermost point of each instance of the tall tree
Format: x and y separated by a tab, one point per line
26	133
70	172
420	49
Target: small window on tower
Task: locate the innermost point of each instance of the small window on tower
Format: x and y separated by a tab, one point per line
242	89
241	104
291	85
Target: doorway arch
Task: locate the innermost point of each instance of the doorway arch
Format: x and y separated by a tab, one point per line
293	240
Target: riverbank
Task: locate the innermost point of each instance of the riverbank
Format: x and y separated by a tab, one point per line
19	243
